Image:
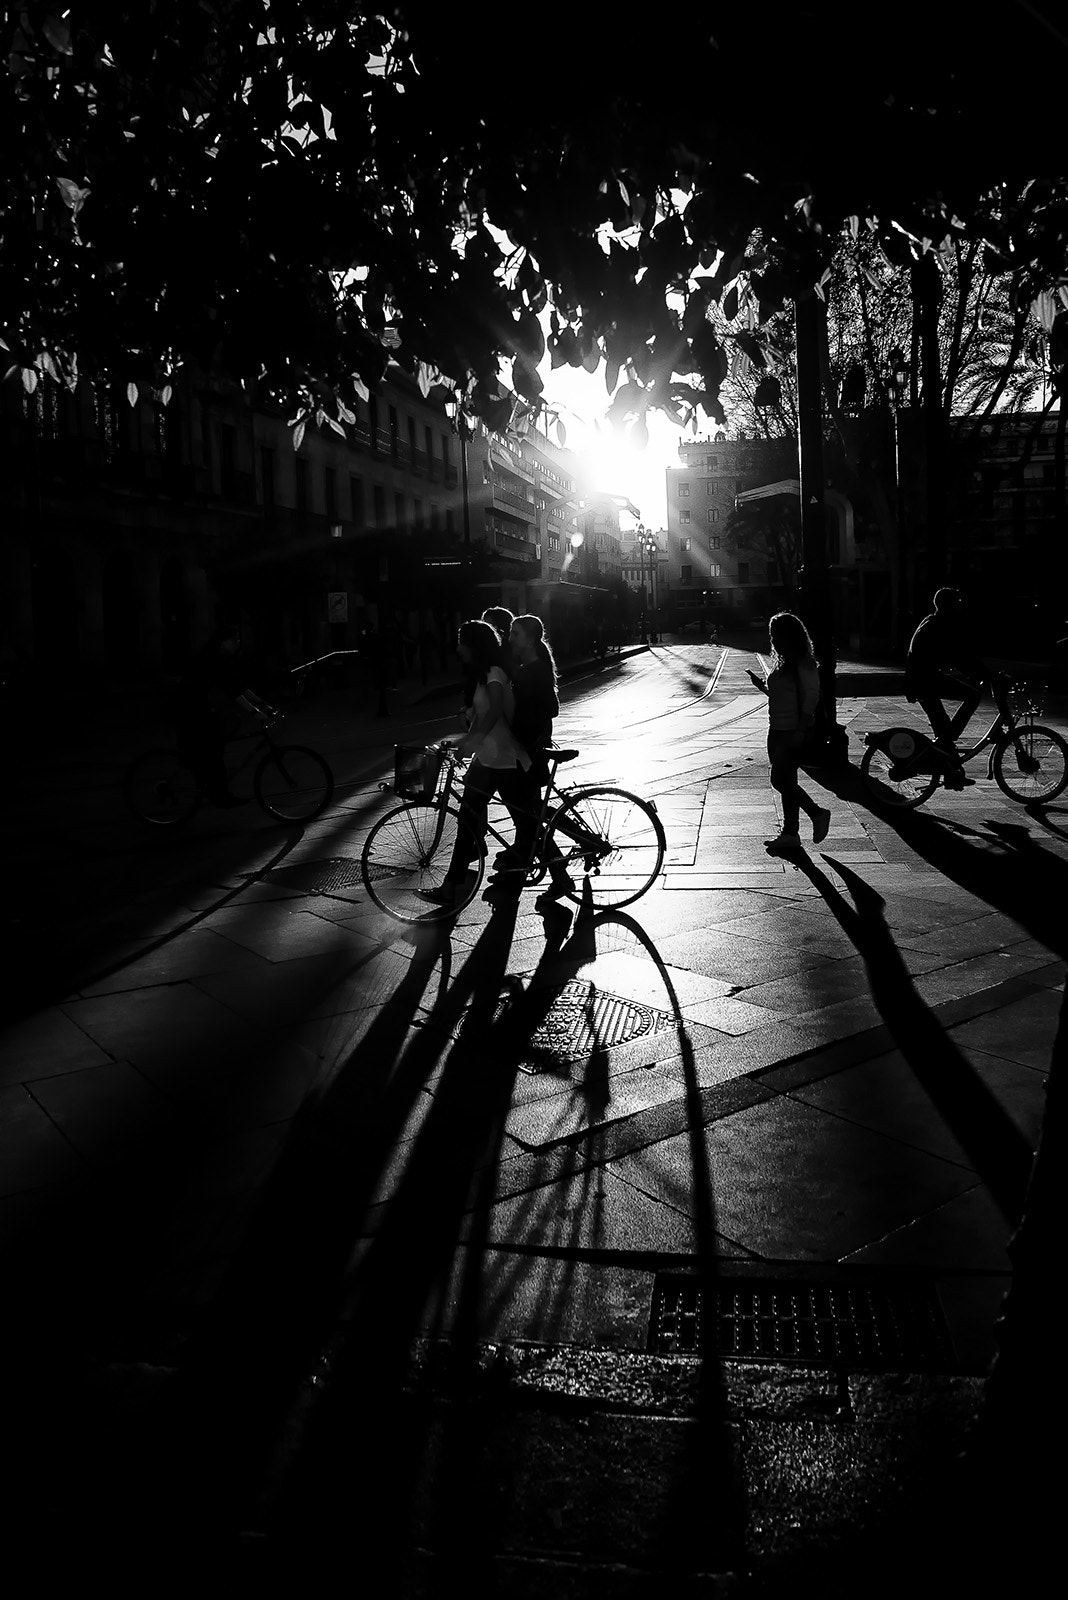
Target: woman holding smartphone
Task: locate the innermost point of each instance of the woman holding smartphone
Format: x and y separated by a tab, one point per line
793	690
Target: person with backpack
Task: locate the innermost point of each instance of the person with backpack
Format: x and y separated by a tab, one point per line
793	690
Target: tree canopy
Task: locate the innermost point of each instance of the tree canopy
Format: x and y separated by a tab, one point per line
294	190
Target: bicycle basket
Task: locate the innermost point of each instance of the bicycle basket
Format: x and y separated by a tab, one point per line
415	771
1026	699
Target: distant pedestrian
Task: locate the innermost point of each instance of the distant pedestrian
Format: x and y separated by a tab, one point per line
793	690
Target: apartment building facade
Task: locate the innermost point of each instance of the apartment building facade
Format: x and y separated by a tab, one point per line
701	575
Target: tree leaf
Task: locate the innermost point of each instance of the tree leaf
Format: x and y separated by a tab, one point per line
1043	309
74	196
361	389
57	31
333	423
730	303
131	393
165	394
344	413
298	433
561	433
29	379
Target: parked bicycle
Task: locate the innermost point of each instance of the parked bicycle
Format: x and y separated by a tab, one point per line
902	767
612	840
290	782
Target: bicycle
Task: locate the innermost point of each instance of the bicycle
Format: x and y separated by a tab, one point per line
615	837
902	767
290	782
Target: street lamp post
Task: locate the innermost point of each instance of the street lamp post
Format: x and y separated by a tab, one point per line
646	546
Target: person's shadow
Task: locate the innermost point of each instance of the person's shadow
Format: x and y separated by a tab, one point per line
997	1150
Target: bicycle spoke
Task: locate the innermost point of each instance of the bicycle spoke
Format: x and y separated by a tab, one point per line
407	855
614	839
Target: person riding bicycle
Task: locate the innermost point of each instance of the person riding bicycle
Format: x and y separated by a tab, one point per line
943	663
207	709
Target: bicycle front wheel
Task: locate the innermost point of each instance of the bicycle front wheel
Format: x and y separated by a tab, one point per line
888	787
160	788
406	857
293	784
615	841
1036	770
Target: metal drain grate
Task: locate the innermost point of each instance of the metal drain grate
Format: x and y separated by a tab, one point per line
317	877
582	1018
820	1323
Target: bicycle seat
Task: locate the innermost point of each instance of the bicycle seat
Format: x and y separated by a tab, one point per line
560	756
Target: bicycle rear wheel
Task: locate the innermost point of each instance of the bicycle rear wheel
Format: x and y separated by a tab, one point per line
616	839
161	788
293	784
407	854
1036	772
889	787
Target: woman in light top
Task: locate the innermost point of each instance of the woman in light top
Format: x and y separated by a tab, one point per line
499	761
793	690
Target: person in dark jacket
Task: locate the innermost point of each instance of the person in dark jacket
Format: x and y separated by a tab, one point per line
944	664
537	703
207	711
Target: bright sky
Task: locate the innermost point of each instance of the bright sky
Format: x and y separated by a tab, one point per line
614	466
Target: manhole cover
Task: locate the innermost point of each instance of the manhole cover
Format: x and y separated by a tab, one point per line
317	877
582	1018
820	1323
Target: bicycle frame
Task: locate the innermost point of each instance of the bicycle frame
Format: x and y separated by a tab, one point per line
1003	730
450	768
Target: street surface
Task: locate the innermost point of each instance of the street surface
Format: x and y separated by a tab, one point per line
246	1117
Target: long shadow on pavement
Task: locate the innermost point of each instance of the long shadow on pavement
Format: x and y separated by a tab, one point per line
994	1145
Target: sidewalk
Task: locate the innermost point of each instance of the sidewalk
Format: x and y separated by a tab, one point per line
221	1139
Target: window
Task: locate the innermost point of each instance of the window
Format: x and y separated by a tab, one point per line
715	570
714	541
380	506
330	492
743	572
684	544
713	516
428	434
303	495
411	439
398	510
684	488
684	516
685	574
710	487
356	501
394	432
417	517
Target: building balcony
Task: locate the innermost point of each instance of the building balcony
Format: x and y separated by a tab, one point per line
504	495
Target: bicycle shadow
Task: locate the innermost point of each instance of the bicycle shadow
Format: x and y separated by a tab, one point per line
418	1459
